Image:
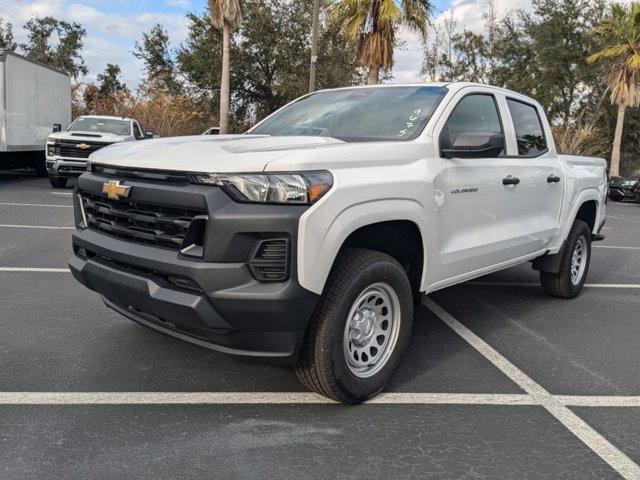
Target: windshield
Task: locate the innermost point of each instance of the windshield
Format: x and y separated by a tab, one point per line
357	114
101	125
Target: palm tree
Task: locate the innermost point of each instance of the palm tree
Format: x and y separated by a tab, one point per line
620	33
225	14
372	25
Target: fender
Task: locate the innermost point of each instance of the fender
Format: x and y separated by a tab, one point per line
321	235
569	216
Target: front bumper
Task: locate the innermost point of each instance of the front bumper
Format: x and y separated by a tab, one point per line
65	168
222	306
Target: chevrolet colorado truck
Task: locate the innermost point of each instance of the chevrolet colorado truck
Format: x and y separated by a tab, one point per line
67	152
309	239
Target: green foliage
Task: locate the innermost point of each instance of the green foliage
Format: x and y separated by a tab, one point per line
159	64
7	42
270	52
56	43
372	26
109	82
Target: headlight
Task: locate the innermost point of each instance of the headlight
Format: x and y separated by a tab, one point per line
51	149
281	188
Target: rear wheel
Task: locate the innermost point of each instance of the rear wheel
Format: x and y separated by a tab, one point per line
359	329
58	182
569	281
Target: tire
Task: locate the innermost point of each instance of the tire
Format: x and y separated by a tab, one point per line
359	287
58	182
564	284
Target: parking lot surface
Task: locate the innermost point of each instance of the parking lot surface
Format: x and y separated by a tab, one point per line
499	380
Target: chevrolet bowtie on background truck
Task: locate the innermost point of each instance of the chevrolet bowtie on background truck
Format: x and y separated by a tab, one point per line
67	152
309	239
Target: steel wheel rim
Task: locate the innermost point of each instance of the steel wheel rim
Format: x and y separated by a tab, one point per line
578	260
371	331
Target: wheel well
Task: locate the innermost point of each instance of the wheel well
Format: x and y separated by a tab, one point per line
400	239
587	213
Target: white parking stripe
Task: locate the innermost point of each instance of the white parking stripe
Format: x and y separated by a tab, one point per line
533	284
595	441
291	398
61	193
45	227
35	270
8	204
598	401
615	247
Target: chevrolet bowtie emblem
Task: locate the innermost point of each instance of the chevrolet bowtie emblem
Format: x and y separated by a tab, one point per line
83	146
114	190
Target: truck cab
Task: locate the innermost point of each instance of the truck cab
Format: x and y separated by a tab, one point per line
67	152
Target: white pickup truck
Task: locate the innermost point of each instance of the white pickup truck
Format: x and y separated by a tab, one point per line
67	151
310	239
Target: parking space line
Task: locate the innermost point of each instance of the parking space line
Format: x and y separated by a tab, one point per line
35	270
533	284
581	429
615	247
242	398
598	401
45	227
294	398
61	193
10	204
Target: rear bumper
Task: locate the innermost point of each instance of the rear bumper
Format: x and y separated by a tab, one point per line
222	306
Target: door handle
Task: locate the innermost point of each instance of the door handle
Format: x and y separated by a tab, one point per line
553	179
510	180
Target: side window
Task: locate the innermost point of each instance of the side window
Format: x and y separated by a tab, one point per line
529	131
476	113
136	131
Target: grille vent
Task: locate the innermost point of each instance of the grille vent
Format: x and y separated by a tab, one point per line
270	260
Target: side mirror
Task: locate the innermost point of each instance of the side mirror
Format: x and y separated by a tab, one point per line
57	128
148	134
475	145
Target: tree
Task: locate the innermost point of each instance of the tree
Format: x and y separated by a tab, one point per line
56	43
372	25
225	14
159	64
620	34
270	51
109	83
7	41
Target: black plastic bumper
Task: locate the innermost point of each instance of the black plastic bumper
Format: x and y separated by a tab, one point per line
224	307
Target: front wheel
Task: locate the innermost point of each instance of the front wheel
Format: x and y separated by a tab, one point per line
58	182
360	328
569	281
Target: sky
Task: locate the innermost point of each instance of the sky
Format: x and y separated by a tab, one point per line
113	26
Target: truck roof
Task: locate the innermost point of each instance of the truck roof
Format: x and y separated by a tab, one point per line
106	117
453	86
5	53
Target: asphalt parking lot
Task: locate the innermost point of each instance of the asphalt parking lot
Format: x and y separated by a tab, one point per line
499	380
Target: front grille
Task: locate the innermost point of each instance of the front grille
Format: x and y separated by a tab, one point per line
69	148
270	260
161	226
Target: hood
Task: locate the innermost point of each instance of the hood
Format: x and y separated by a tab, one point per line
205	153
88	137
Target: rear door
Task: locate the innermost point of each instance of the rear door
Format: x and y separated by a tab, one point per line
542	182
478	215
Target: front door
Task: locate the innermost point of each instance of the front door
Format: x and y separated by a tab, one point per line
479	209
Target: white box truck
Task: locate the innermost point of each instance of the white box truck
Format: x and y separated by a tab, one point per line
35	100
